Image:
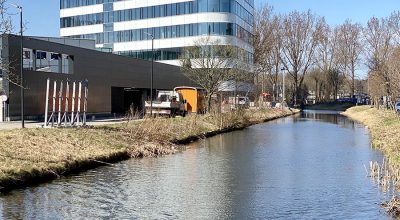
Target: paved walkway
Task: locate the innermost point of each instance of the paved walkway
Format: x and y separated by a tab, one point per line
36	124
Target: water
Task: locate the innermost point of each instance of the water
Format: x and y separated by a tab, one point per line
303	167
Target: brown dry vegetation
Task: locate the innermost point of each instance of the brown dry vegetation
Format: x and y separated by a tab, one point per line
384	126
33	155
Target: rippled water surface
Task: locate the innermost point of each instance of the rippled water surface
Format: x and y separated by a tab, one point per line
309	166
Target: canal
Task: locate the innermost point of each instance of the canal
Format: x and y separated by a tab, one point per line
308	166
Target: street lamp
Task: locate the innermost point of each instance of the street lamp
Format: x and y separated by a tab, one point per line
151	75
283	84
21	65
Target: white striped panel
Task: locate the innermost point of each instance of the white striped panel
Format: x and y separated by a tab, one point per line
89	29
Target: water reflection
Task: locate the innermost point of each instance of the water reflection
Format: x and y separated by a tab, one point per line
307	166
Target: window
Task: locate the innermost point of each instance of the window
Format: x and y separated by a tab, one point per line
187	7
203	29
137	13
213	6
202	5
181	8
41	55
157	11
27	54
55	56
162	32
173	9
173	32
224	6
187	27
108	6
168	10
163	10
108	27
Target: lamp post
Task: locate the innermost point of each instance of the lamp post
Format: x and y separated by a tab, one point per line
151	75
21	66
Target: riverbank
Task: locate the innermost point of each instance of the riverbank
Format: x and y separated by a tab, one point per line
384	126
333	106
31	156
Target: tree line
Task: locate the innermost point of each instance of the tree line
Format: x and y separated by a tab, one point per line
316	56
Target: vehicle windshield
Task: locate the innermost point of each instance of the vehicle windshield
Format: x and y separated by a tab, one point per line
163	98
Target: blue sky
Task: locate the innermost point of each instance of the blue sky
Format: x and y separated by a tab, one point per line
337	11
42	16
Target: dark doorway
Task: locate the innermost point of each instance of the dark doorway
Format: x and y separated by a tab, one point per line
123	98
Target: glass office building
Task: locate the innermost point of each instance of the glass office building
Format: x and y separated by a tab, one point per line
123	26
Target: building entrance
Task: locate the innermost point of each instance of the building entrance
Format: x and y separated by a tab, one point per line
122	99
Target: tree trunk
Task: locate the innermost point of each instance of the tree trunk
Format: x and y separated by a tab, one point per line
209	103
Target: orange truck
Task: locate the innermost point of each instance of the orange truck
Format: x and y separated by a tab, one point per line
194	97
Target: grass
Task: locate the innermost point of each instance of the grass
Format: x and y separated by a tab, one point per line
384	126
29	156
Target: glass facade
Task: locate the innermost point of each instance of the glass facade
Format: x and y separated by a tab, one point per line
175	31
174	54
80	3
109	16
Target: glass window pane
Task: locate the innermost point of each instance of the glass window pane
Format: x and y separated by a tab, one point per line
202	5
174	12
157	11
213	5
224	6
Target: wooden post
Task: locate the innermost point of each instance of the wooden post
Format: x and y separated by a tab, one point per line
85	102
73	103
60	96
66	104
54	103
78	111
47	103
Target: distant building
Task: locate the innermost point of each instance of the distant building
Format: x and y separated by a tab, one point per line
115	82
123	26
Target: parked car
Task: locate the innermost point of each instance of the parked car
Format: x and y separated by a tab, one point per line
397	107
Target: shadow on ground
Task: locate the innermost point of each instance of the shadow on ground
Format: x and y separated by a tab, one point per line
333	106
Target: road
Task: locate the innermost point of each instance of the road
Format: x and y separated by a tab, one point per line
36	124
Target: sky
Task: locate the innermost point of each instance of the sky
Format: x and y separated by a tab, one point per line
337	11
42	16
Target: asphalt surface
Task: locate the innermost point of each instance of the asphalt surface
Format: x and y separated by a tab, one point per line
36	124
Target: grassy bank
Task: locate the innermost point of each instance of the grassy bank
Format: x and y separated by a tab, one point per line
384	126
29	156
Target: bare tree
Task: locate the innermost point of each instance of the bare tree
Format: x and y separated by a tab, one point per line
301	31
328	61
7	66
267	45
6	26
210	63
379	42
349	50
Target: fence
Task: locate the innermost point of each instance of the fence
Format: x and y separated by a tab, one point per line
66	103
